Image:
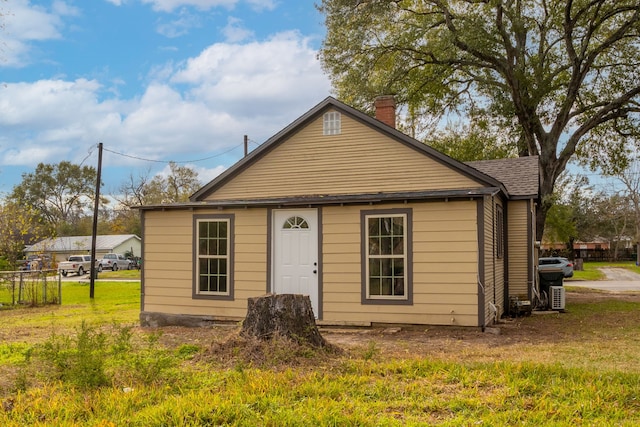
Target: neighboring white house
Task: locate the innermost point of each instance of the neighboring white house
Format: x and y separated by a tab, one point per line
60	248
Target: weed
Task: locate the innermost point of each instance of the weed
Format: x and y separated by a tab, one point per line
150	364
122	340
187	351
78	360
371	351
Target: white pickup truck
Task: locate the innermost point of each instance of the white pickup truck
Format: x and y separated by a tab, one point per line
79	264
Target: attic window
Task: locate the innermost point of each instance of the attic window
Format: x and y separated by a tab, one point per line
331	124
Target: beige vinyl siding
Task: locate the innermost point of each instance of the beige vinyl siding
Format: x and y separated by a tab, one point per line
494	266
359	160
518	248
168	284
445	266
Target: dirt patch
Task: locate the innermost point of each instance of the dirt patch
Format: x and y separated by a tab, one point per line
224	343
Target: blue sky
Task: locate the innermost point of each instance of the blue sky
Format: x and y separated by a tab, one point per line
153	80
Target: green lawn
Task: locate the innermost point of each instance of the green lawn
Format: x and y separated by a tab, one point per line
86	363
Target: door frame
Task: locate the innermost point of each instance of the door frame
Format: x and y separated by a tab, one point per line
271	257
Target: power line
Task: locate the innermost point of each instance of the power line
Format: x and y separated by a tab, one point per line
90	152
171	161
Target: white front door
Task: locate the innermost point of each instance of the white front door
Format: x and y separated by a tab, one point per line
295	253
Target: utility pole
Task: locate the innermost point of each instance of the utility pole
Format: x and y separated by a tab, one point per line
94	233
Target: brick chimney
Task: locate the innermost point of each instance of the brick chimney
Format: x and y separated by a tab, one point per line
385	106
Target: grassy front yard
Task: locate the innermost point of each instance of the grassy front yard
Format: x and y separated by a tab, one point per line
87	363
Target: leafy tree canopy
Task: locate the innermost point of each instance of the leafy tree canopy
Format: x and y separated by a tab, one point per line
560	77
175	187
59	192
20	226
180	183
471	142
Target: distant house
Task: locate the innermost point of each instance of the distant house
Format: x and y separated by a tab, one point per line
59	248
598	249
375	226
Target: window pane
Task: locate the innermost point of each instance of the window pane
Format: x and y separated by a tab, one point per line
375	267
399	286
202	229
222	247
398	246
386	287
374	286
204	284
374	227
374	246
385	245
203	247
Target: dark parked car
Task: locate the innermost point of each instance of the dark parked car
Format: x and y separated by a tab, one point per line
556	262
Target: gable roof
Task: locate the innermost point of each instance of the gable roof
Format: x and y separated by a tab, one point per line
80	243
519	175
314	113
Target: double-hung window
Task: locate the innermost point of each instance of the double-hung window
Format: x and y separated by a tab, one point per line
213	269
386	256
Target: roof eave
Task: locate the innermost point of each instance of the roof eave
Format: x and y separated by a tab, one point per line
326	200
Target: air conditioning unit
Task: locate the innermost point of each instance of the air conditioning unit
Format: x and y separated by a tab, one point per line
556	297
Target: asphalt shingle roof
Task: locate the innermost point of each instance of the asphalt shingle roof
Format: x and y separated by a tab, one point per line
520	175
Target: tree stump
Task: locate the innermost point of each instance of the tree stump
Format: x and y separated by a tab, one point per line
284	315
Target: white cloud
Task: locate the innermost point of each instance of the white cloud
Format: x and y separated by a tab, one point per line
47	103
62	8
203	106
235	32
180	26
171	5
26	23
35	154
260	5
248	79
204	174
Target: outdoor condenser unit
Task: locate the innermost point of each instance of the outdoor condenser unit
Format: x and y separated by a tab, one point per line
556	297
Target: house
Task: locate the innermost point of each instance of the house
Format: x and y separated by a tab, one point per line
598	249
374	226
59	248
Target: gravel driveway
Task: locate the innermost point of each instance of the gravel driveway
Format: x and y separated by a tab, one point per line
618	280
621	274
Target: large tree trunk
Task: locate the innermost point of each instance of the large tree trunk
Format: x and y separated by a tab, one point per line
550	168
285	315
